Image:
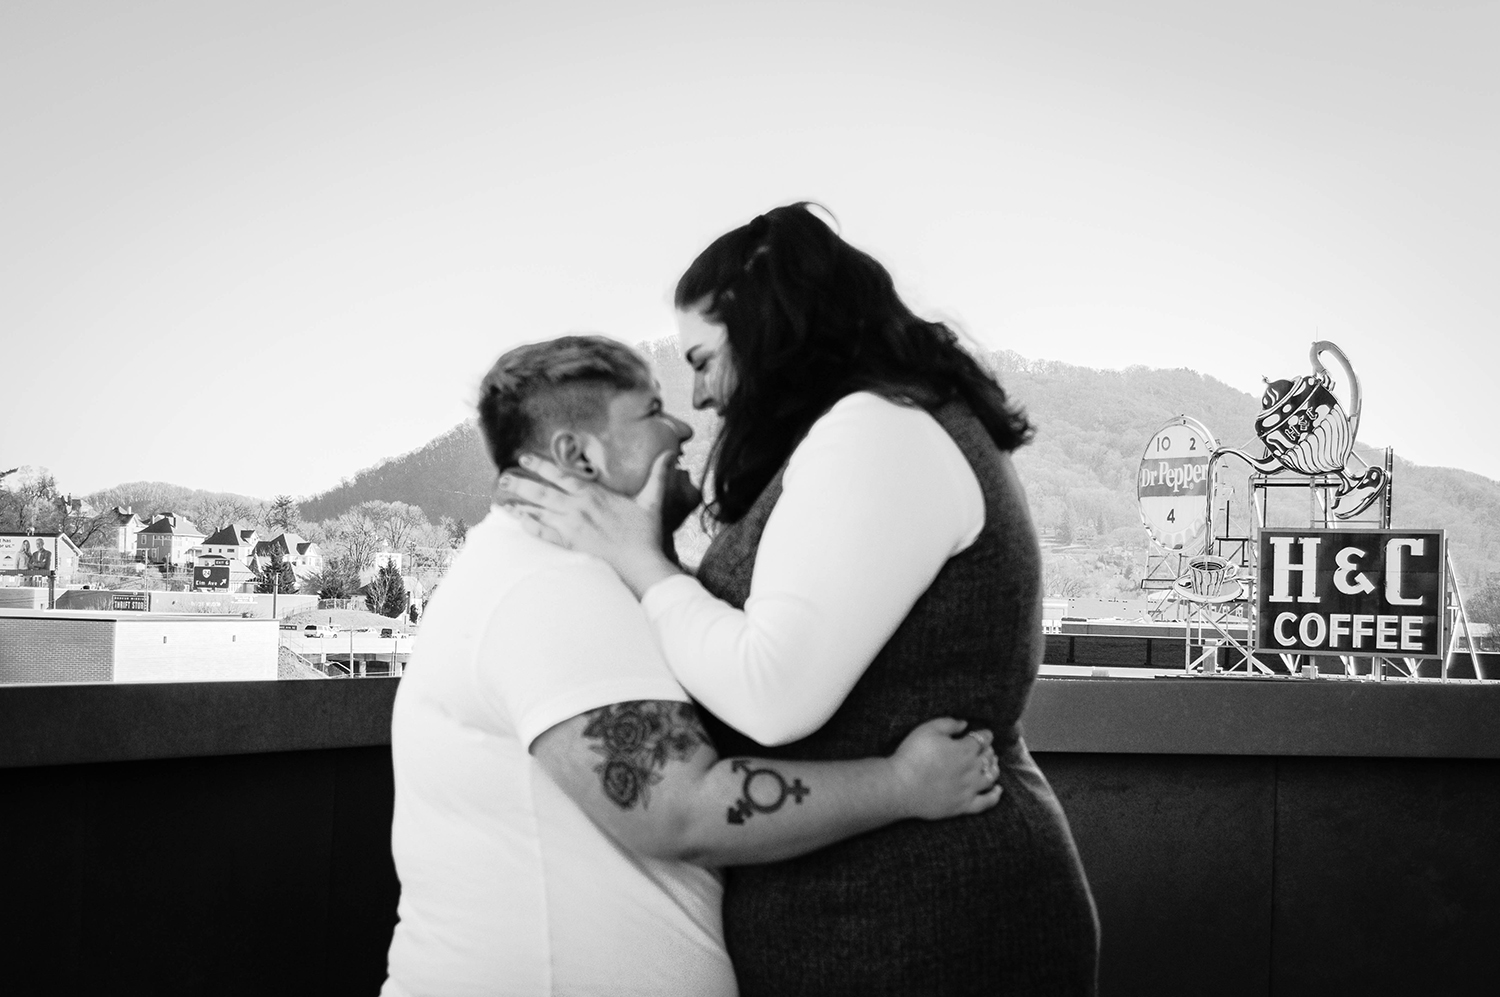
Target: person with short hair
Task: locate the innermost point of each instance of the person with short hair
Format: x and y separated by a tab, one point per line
560	808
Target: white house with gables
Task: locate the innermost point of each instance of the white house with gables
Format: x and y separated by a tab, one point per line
235	541
167	539
126	525
304	556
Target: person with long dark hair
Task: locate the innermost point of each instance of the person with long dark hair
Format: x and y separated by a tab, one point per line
874	564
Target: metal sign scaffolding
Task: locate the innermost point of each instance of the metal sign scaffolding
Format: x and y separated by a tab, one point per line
1366	592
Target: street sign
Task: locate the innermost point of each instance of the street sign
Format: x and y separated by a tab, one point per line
211	575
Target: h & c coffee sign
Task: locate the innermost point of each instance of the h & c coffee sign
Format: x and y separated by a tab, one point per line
1361	592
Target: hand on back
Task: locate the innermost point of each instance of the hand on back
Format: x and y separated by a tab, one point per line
945	772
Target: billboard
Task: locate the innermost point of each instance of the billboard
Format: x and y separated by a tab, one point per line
27	555
1362	592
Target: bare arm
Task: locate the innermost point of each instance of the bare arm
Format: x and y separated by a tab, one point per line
648	774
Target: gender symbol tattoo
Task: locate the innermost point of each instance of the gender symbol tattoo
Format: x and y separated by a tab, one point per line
764	792
637	740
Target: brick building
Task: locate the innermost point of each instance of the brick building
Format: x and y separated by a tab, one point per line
44	646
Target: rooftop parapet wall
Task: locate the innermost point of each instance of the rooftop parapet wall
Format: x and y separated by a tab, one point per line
63	725
1242	837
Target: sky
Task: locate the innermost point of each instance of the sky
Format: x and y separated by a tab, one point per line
257	247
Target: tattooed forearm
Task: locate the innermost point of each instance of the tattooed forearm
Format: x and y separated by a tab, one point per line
636	741
764	792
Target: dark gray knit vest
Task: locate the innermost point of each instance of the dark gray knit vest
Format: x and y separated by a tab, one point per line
994	903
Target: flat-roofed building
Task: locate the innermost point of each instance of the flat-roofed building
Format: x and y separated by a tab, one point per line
41	646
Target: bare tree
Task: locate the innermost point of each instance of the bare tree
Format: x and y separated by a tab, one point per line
145	498
28	501
456	529
396	523
86	530
212	513
1483	607
353	536
1062	578
338	580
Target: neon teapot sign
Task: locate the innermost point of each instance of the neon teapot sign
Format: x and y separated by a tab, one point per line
1305	429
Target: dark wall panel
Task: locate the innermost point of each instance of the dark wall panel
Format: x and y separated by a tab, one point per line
1386	877
249	874
43	832
179	886
271	873
1178	854
363	886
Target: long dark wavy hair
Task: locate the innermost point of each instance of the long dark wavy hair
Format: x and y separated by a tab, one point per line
811	319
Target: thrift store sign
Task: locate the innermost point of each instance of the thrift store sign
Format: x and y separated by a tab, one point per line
1366	592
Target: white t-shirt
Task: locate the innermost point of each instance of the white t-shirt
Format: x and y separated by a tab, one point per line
506	886
875	499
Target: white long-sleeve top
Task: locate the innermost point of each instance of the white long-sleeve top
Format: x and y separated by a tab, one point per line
874	500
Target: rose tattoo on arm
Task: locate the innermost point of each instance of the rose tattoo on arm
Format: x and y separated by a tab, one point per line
636	741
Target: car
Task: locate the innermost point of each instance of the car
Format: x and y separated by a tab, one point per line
311	630
387	632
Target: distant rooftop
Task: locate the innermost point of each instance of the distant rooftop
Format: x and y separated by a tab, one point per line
233	535
174	525
287	543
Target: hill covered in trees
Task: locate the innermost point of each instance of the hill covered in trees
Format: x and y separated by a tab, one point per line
1092	427
451	477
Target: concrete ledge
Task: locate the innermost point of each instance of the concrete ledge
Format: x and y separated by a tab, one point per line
1272	716
73	724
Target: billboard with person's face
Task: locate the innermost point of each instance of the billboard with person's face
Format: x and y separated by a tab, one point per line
27	555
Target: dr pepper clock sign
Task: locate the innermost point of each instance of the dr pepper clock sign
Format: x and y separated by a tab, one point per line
1172	485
